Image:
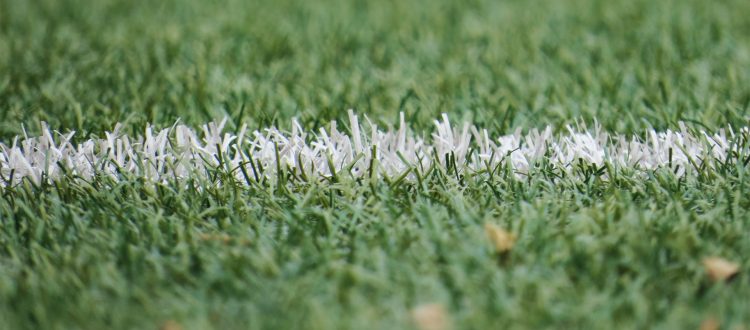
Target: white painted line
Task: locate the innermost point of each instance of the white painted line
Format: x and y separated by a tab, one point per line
181	152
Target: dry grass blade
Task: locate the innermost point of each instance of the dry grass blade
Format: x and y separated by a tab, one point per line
502	240
170	325
431	317
719	269
710	324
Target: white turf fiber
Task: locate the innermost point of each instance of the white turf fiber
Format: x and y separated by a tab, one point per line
180	152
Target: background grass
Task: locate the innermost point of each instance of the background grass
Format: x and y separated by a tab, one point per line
619	253
84	65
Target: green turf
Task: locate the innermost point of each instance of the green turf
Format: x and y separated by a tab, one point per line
625	252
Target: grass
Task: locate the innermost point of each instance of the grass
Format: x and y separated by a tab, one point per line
622	253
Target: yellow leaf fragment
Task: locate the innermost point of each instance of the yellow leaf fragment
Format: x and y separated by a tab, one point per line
170	325
501	239
719	269
431	317
710	324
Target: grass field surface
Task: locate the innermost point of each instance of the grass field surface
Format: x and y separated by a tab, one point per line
599	181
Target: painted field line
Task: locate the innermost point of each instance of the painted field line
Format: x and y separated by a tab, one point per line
180	152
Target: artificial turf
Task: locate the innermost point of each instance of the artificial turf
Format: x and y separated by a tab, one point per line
621	251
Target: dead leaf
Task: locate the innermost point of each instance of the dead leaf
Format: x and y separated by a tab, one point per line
170	325
501	239
431	317
710	324
720	269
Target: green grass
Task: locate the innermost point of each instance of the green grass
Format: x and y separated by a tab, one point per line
591	253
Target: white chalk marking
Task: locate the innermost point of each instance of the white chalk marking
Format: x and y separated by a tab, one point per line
181	152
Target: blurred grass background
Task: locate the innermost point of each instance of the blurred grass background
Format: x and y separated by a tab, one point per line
85	65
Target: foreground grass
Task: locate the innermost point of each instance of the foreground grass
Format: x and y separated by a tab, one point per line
624	252
590	253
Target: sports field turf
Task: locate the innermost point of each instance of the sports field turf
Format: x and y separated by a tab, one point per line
578	246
